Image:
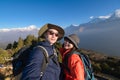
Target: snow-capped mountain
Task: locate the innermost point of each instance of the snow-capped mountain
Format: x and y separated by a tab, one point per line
96	20
116	14
13	34
100	34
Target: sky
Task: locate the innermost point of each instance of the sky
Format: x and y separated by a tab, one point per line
23	13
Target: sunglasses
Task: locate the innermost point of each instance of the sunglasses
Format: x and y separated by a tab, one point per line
53	33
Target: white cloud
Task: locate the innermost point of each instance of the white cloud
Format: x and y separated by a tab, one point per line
91	17
101	17
105	17
4	30
12	34
29	28
75	25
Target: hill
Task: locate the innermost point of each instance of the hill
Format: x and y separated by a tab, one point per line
105	67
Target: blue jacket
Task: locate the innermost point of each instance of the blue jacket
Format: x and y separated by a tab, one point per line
33	68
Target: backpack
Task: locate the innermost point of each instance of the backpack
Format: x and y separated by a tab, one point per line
20	59
89	75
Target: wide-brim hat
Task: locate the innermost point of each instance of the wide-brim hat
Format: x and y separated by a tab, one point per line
74	39
51	26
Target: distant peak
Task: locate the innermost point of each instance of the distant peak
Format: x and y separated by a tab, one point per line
112	16
117	13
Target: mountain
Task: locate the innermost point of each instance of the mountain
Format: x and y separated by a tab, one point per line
116	14
13	34
100	34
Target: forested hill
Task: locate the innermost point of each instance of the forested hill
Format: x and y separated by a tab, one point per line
104	66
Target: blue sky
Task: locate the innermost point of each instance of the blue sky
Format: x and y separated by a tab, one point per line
23	13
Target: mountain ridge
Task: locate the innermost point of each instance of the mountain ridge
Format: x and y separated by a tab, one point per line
102	36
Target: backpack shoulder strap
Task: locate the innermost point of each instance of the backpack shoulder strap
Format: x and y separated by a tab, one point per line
45	61
45	53
84	58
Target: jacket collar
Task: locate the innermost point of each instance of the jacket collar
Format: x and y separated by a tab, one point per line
45	43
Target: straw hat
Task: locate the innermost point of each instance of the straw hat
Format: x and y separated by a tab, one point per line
51	26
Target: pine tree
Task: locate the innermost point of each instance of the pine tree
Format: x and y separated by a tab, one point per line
20	43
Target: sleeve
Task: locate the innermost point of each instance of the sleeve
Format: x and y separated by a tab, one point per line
32	69
76	67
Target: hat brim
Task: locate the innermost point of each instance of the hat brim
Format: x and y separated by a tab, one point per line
69	38
51	26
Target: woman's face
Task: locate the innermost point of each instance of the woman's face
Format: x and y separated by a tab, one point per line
52	36
68	44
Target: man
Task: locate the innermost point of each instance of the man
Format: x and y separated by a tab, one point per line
51	33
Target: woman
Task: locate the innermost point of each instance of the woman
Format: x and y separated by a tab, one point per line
74	70
51	33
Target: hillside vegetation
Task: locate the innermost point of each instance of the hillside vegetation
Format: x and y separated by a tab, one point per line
103	65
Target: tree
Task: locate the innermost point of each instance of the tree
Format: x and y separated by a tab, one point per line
20	43
15	44
29	39
9	46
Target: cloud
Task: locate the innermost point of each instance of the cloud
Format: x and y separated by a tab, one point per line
101	17
91	17
29	28
105	17
9	35
75	25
